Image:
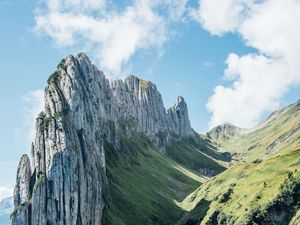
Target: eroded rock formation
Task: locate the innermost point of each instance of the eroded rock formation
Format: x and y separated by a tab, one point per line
68	183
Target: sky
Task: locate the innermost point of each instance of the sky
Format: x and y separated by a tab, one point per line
233	61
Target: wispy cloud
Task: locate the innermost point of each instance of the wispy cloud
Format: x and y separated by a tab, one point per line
112	36
207	64
257	81
5	192
33	104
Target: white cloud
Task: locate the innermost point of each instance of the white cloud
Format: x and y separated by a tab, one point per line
33	104
257	81
257	84
219	17
112	36
5	192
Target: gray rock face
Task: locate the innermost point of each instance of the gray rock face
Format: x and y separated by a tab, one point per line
68	184
23	181
179	119
22	193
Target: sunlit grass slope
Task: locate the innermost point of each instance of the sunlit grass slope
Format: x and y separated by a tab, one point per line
278	133
144	185
263	187
197	158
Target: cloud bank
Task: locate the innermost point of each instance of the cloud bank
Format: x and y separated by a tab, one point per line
111	35
257	81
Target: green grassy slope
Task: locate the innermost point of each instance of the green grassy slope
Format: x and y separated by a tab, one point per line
263	187
279	132
296	219
245	188
224	132
199	159
144	185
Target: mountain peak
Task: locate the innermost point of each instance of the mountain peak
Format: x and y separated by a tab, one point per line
224	131
180	100
84	110
178	114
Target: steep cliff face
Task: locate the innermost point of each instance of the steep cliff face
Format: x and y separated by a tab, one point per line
179	119
22	192
68	183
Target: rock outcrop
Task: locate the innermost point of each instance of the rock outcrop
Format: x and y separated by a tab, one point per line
224	132
22	193
68	183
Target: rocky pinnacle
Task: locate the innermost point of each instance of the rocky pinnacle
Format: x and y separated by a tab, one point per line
65	183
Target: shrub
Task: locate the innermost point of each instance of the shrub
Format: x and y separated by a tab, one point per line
226	196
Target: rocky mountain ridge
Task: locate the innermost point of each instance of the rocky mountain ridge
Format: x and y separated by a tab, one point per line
224	132
65	182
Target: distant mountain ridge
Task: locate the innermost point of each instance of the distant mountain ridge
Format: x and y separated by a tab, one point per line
278	132
224	132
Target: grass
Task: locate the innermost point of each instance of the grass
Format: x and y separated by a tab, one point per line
267	140
186	154
145	185
251	185
296	219
144	84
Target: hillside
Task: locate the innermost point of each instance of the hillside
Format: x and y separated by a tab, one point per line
279	132
262	188
144	184
108	152
224	132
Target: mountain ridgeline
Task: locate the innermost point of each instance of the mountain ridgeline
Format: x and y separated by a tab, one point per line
92	127
262	186
107	152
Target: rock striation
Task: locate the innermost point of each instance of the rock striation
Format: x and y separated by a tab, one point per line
66	183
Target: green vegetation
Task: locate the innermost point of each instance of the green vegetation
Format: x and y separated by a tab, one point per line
144	84
58	115
263	185
225	197
54	78
253	187
278	133
144	185
188	155
62	65
282	208
44	121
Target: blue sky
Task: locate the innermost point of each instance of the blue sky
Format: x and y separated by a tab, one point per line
187	58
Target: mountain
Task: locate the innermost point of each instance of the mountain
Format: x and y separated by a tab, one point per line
6	207
105	153
224	132
263	184
279	132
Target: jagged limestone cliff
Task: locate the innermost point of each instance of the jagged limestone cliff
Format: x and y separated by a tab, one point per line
66	181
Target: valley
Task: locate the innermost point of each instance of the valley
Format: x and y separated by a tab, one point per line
109	152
